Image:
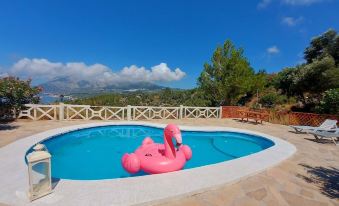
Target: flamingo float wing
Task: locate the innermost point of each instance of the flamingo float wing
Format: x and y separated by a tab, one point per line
131	163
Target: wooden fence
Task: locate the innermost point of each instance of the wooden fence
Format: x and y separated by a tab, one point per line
231	111
286	118
299	118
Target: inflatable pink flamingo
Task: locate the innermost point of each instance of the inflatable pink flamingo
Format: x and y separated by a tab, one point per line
156	158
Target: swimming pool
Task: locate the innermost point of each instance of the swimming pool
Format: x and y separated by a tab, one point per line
144	189
95	153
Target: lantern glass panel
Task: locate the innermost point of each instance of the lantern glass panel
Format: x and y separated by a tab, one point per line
40	177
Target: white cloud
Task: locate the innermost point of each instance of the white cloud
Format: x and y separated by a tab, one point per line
3	75
291	21
263	4
273	50
301	2
159	72
44	70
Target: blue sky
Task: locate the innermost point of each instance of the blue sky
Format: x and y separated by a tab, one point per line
111	35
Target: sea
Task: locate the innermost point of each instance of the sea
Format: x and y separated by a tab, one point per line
51	98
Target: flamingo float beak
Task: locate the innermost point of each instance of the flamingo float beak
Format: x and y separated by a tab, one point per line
178	139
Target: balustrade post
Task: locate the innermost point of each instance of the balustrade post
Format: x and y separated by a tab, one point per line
34	112
61	111
86	111
129	112
220	112
181	111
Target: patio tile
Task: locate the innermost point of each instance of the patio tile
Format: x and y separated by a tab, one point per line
190	201
258	194
246	201
294	199
307	193
285	184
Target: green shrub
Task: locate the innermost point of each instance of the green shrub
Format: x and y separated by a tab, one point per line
269	100
14	93
330	102
272	98
165	97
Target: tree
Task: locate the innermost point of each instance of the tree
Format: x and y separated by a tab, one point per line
14	93
330	102
323	45
318	76
260	81
166	97
270	98
286	80
228	78
309	81
313	78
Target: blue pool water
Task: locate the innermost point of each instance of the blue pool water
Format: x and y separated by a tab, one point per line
95	153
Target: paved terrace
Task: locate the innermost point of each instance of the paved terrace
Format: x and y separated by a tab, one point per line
310	177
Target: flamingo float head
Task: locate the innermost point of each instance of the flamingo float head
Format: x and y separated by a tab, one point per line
171	131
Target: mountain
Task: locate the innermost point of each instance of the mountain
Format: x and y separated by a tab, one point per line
66	85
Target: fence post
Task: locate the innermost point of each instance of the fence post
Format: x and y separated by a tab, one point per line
129	112
220	112
34	112
86	111
61	111
181	111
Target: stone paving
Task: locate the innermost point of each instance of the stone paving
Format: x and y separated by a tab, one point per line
310	177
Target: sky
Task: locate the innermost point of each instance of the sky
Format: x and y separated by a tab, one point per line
165	42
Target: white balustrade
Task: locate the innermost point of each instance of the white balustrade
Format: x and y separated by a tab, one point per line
112	113
144	112
37	112
201	112
74	112
87	112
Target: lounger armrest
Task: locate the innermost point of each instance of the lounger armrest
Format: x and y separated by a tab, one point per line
325	130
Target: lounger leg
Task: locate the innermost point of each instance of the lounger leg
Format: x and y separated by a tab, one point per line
316	136
297	130
334	141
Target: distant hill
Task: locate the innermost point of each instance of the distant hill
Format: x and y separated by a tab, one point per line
66	85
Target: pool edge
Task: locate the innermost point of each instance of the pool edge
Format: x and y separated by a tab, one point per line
267	158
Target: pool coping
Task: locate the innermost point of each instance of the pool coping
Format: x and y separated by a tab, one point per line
135	190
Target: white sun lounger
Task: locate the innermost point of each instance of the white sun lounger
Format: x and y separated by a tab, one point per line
327	134
328	124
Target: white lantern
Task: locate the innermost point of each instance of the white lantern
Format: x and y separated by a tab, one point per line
39	172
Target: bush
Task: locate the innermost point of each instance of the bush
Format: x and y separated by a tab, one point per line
14	93
330	102
166	97
272	98
269	100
